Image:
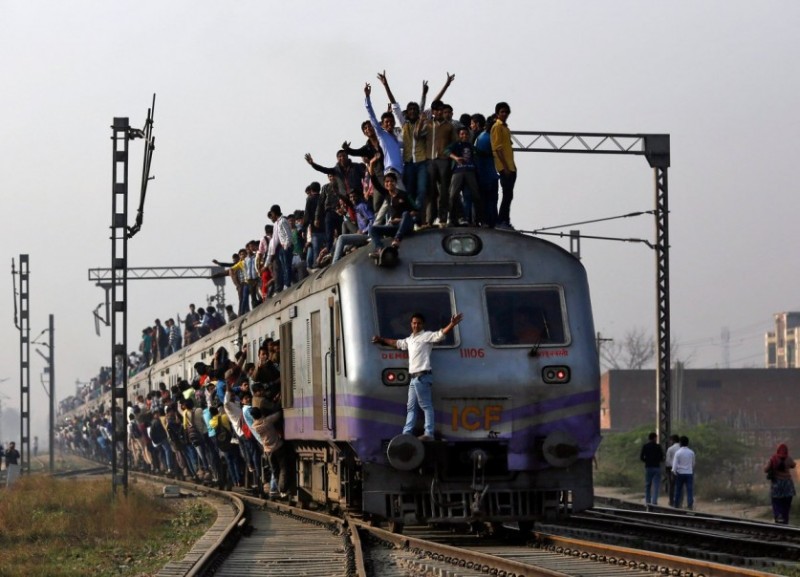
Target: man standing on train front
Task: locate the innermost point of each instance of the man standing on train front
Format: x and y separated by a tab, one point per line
419	346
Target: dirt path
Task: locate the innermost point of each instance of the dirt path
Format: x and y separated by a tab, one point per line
719	507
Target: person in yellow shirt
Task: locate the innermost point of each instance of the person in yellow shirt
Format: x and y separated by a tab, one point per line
504	162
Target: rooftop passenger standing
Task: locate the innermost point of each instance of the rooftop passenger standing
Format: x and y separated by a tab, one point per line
484	162
781	486
464	182
438	135
261	260
419	346
162	339
504	162
252	278
384	130
315	236
652	455
326	217
175	339
368	152
190	326
349	175
415	156
280	248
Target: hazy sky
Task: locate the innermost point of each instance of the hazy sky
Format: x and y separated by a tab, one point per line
246	88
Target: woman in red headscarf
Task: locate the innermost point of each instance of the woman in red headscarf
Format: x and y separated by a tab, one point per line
782	491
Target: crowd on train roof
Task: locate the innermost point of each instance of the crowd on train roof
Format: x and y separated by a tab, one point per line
417	168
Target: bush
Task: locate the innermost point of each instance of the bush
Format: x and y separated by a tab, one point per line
719	459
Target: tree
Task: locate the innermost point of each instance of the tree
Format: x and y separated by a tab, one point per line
636	350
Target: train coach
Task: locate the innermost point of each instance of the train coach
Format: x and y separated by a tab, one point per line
516	384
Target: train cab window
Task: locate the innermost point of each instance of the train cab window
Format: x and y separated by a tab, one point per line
526	316
394	307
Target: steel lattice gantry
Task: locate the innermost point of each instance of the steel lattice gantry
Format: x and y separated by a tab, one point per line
102	276
655	148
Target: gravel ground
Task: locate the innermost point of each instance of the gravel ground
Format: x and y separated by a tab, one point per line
719	507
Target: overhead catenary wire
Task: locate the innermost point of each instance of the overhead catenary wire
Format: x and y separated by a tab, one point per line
543	231
595	220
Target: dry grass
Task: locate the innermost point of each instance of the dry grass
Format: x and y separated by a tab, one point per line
52	527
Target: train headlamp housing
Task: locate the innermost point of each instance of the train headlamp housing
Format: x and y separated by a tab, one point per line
395	377
462	244
556	374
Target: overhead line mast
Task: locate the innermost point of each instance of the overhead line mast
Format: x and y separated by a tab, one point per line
656	149
122	134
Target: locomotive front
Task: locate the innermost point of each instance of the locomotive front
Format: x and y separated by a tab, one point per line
516	384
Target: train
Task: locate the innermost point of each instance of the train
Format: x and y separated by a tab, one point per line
516	384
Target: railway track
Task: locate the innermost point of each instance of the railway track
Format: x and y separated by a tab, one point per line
546	555
252	536
279	539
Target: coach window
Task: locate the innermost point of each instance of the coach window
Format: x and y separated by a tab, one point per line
394	307
525	316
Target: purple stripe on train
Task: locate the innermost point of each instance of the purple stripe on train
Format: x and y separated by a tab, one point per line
369	437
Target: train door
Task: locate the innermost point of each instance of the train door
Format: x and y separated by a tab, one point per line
324	366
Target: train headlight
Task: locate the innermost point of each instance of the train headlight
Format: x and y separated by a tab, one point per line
462	244
556	374
395	377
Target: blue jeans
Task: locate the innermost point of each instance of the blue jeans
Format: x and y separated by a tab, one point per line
284	257
346	240
232	459
167	452
419	395
317	240
244	301
415	179
398	230
652	478
688	481
333	223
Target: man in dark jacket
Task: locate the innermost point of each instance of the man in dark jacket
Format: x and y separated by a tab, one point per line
652	455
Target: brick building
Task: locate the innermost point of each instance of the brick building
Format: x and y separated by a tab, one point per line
751	399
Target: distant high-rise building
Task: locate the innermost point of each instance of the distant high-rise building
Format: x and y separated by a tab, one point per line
783	344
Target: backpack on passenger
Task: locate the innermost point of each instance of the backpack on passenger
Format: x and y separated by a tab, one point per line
223	436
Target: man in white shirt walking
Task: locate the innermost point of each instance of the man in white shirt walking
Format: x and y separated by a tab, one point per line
419	346
683	467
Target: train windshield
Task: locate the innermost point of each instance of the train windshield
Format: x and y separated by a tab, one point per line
394	307
526	316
